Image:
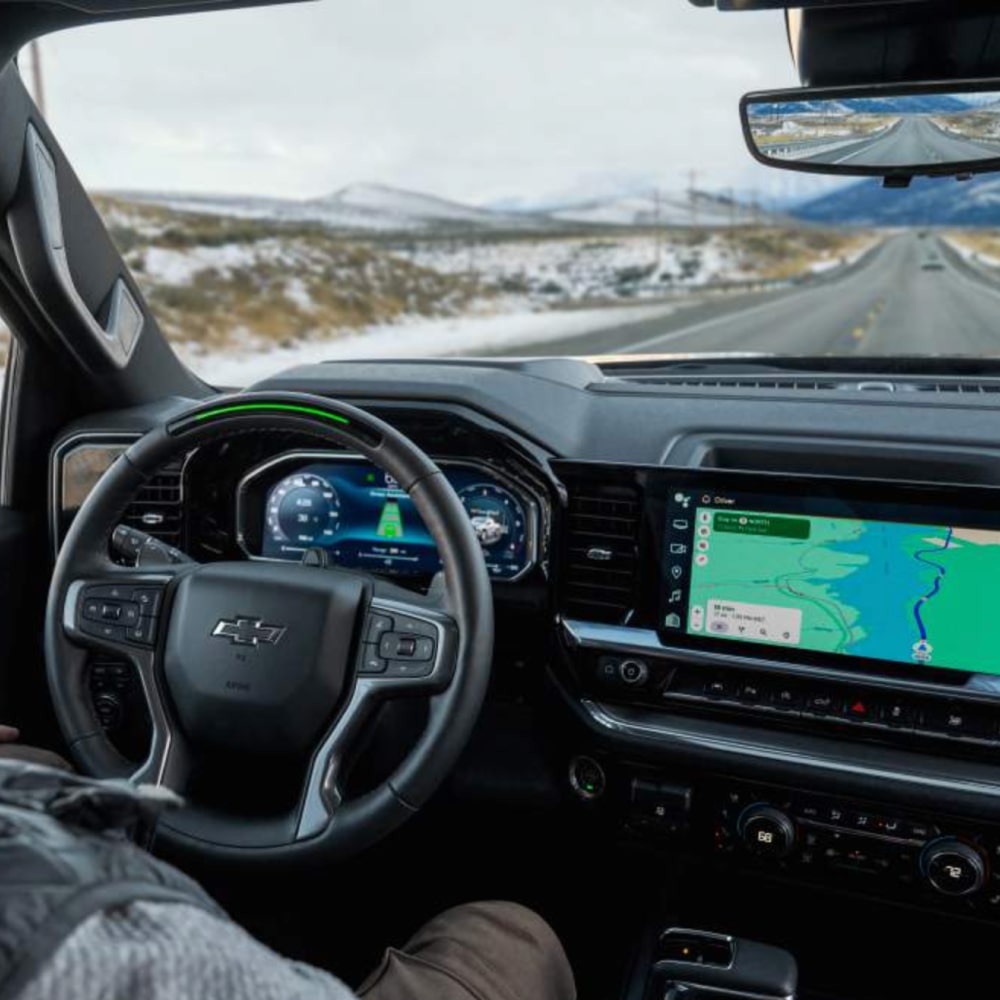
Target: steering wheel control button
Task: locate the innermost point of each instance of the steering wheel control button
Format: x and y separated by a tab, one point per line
587	778
371	662
404	668
144	632
396	646
148	599
103	630
378	625
635	673
766	832
952	867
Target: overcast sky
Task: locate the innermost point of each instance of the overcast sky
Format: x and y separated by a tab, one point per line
467	99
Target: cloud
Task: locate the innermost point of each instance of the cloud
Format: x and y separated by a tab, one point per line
472	101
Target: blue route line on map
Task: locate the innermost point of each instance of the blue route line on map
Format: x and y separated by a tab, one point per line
942	573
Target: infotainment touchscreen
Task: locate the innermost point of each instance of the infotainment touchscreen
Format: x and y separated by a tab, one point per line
910	584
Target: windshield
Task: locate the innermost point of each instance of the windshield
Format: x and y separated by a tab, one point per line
386	180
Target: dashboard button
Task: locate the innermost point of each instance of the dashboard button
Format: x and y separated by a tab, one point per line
787	699
751	693
718	689
859	709
956	720
607	670
821	703
898	713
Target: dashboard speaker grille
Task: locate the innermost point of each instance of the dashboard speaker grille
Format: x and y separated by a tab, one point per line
601	556
157	507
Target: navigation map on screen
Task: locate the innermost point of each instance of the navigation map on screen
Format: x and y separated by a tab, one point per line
919	594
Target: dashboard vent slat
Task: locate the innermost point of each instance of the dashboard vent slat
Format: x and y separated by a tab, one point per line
157	507
601	562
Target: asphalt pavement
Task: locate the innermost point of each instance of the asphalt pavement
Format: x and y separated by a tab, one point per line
912	141
885	303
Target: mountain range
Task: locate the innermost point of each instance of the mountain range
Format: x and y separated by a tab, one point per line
378	208
928	104
928	201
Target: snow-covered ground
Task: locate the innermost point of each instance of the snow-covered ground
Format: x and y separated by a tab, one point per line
419	338
579	269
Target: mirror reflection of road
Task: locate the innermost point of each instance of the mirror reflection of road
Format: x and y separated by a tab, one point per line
911	140
886	303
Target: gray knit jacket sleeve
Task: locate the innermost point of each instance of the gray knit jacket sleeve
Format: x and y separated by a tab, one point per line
173	951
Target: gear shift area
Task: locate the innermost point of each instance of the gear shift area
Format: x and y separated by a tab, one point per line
700	965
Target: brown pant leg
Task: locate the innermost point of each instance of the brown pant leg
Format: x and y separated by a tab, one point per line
481	951
33	755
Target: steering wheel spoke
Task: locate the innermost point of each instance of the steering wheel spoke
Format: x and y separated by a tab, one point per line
408	647
123	613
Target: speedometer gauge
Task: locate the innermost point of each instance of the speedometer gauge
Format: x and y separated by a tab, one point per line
302	511
500	524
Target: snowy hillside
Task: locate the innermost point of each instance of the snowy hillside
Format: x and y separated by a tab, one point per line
668	209
378	208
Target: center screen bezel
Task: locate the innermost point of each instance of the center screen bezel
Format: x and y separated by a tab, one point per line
866	499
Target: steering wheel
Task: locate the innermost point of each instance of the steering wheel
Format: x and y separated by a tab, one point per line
260	657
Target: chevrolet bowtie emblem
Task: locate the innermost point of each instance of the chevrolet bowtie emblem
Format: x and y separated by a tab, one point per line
248	632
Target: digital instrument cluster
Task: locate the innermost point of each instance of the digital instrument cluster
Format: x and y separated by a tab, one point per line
358	514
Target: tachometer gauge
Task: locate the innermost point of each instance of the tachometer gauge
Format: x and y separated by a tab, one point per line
500	524
303	511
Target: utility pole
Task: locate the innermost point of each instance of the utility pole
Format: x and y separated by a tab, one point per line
732	211
657	227
36	75
693	197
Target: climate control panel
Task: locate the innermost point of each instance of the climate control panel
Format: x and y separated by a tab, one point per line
848	844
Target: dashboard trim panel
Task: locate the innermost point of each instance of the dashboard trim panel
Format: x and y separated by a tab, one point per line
627	639
606	718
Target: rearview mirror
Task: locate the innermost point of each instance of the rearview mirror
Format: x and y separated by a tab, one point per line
896	132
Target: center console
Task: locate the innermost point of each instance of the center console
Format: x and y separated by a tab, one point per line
848	630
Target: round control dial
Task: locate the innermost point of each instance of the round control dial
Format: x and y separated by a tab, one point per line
635	673
953	867
766	831
586	778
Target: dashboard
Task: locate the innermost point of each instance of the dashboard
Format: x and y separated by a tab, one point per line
737	592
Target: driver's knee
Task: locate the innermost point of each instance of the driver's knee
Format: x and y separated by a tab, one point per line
486	951
34	755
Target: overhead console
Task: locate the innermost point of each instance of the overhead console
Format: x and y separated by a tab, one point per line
847	606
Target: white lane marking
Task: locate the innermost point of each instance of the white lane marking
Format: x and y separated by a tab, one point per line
729	317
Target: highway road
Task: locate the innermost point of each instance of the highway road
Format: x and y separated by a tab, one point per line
886	303
911	141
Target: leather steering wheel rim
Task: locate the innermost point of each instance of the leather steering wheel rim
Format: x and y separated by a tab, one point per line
322	826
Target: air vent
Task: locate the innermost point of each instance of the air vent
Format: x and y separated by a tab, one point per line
961	388
601	553
157	507
866	384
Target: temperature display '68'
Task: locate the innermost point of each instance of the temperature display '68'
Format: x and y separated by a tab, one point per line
361	517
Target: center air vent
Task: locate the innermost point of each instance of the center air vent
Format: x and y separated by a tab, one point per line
157	507
601	561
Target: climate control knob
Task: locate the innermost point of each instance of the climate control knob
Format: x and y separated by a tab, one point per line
766	831
953	867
